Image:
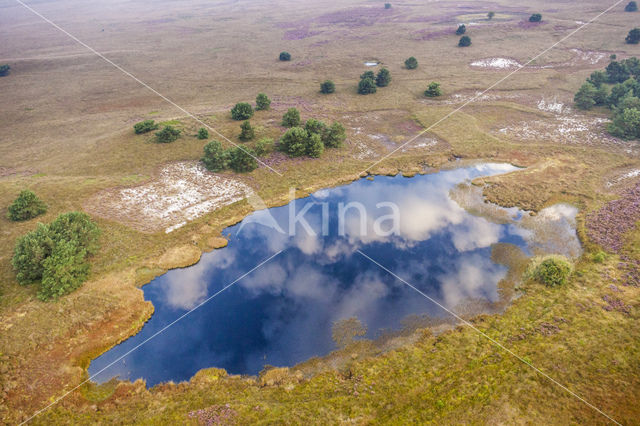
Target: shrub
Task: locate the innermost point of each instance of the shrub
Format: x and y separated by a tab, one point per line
314	146
626	123
536	17
246	131
327	87
242	159
490	15
632	6
241	111
167	135
552	270
334	136
464	41
387	5
366	86
601	95
345	331
313	126
633	37
215	158
461	29
411	63
203	133
56	254
383	78
262	102
291	118
433	90
144	126
285	56
264	146
26	206
597	78
599	256
294	141
4	70
585	97
368	74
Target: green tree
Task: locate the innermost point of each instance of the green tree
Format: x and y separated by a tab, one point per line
291	118
4	70
285	56
144	126
597	78
241	111
536	17
263	146
368	74
215	158
462	28
327	87
76	226
633	37
633	66
262	102
366	86
167	135
313	126
626	123
242	159
203	133
620	91
314	146
490	15
433	90
246	131
585	97
411	63
26	206
294	142
334	136
56	254
632	6
601	96
64	270
29	252
464	41
617	72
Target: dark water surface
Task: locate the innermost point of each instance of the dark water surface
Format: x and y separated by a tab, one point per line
282	313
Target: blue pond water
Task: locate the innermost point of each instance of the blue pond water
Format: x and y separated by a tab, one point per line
282	313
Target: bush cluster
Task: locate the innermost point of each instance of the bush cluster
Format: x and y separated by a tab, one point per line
167	135
262	102
246	131
242	111
4	70
145	126
327	87
312	139
369	81
411	63
632	6
433	90
285	56
26	206
462	28
552	270
536	17
465	41
617	87
240	159
203	133
55	255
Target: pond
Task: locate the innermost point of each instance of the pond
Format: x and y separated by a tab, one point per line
283	312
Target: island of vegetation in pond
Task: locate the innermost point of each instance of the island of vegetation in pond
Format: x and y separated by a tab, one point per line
320	292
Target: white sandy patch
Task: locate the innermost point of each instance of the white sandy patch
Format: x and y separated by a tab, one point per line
553	105
182	192
496	63
629	175
589	56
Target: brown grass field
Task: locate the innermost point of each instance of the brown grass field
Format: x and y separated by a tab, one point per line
66	121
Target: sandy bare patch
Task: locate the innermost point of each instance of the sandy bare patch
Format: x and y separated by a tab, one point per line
180	193
553	105
496	63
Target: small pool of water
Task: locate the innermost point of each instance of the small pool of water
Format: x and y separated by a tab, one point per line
283	312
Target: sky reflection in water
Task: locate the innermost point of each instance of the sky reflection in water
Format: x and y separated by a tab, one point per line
282	313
